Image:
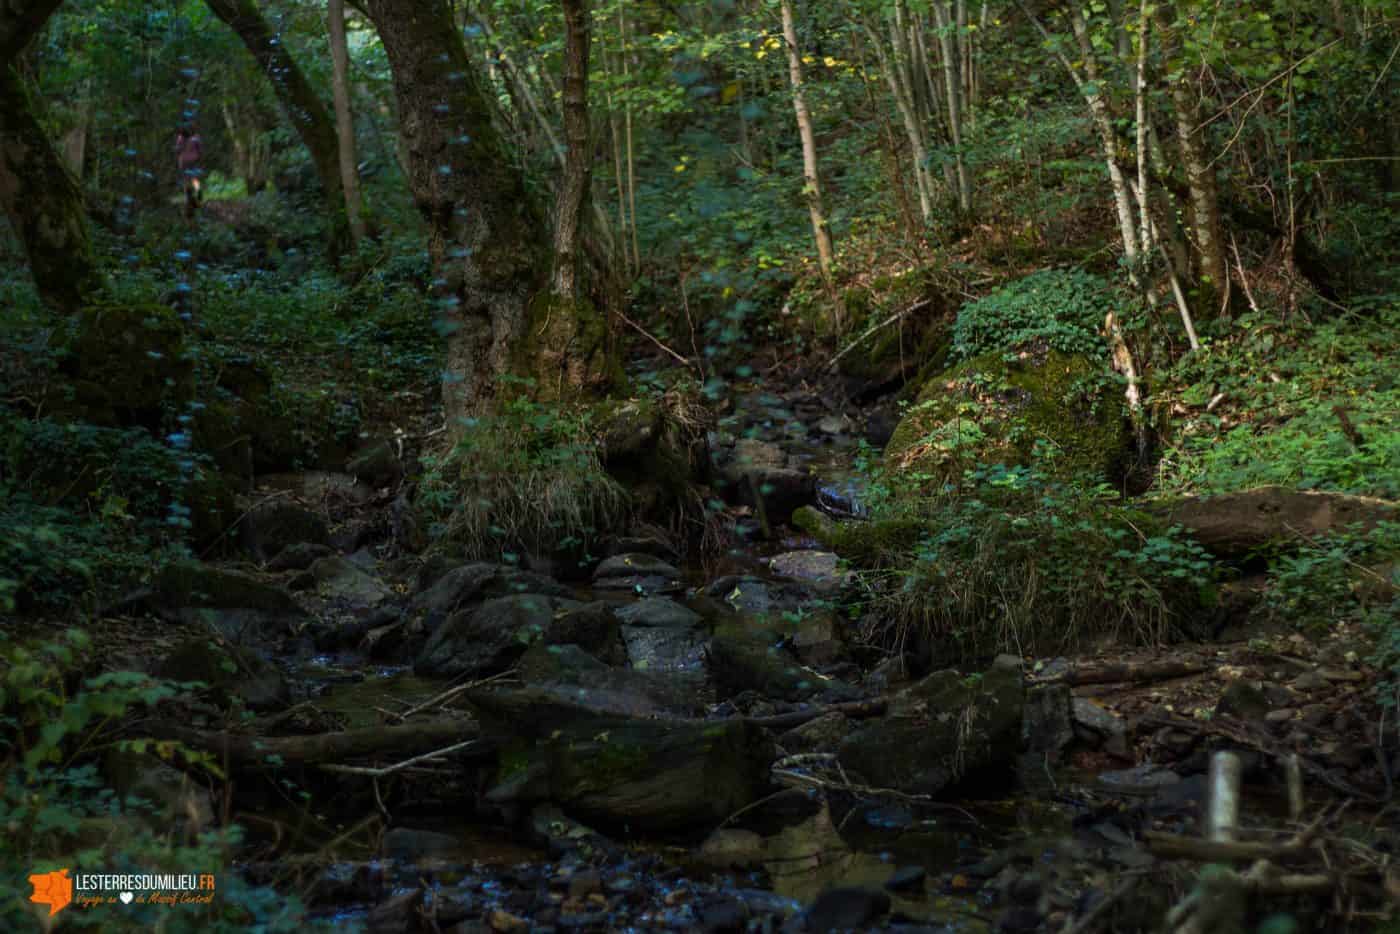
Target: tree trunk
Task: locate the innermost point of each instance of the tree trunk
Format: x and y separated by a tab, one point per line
1205	199
299	100
952	82
345	120
38	193
573	188
484	232
20	21
811	181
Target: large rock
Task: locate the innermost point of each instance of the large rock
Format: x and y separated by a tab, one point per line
941	731
740	660
661	635
991	409
760	475
1232	525
492	637
472	583
611	769
275	524
638	572
636	693
343	583
230	674
820	570
236	604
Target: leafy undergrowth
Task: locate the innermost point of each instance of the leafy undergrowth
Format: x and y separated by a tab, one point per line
1021	561
59	808
1309	406
526	478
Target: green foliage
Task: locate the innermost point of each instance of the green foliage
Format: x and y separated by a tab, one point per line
1062	309
527	478
1023	562
1306	407
57	810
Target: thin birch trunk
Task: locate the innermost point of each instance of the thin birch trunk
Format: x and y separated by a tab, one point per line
912	130
1122	197
573	187
345	120
947	40
630	148
811	179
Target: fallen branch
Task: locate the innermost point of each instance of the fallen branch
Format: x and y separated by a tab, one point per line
917	306
247	751
857	710
1135	672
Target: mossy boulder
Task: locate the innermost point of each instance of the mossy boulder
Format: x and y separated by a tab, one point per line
229	673
943	731
997	408
563	354
655	447
127	362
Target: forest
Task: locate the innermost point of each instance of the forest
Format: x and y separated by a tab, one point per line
742	465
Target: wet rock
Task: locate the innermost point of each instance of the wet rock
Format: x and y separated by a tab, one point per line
665	649
592	626
352	535
635	564
888	674
236	604
412	846
398	915
633	692
823	734
490	638
741	661
1243	701
658	612
472	583
942	730
821	570
299	556
645	545
637	572
376	466
503	922
560	833
753	596
834	425
342	582
907	879
1310	681
1046	726
731	848
724	913
845	909
1100	727
611	769
339	883
231	673
273	525
1140	780
759	475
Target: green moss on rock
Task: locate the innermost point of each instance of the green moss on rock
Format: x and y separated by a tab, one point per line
997	408
128	362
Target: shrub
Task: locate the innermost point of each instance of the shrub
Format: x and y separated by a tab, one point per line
1062	309
1023	563
527	478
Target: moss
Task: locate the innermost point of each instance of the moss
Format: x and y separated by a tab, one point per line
562	353
129	361
992	409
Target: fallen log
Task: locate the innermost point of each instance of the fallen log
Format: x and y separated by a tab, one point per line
1117	672
242	750
856	710
1231	525
612	768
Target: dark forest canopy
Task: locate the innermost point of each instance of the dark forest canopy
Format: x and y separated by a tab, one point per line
627	413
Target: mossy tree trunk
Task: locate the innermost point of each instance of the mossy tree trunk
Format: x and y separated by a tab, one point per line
38	193
299	100
485	233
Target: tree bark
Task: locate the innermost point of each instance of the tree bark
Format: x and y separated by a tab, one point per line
1205	199
299	100
38	193
484	231
811	180
948	43
345	120
574	186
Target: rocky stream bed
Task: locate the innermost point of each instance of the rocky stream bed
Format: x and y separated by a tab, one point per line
684	744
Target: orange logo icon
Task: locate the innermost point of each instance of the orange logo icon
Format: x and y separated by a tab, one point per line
54	889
